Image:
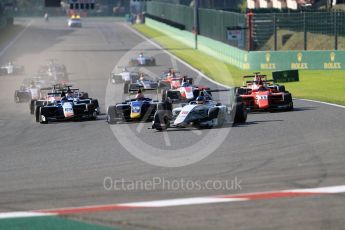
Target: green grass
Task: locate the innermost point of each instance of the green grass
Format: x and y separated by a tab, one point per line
51	223
322	85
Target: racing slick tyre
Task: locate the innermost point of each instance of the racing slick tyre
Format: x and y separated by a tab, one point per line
161	120
164	95
242	91
95	102
281	88
151	62
16	97
288	101
111	115
37	114
221	119
165	105
240	113
174	95
126	87
32	106
84	96
92	111
41	118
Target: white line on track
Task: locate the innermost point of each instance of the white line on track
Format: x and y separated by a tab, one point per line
322	102
2	52
181	202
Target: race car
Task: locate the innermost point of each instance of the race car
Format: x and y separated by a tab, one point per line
56	72
185	93
204	112
124	75
144	82
74	21
10	69
55	93
260	94
30	89
142	60
173	79
67	108
139	108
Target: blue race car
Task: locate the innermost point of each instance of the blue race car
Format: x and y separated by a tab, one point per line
142	60
69	107
138	109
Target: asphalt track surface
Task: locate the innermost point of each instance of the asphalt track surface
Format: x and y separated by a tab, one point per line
64	164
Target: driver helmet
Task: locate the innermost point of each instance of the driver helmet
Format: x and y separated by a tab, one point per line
141	55
139	95
141	77
200	100
69	94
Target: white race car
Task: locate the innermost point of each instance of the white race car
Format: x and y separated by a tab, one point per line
11	68
201	115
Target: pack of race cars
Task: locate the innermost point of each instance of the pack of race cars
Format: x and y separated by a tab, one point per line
184	104
179	104
51	97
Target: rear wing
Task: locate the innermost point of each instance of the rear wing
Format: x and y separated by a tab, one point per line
135	87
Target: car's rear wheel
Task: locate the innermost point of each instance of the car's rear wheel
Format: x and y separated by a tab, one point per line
111	115
240	114
288	101
16	97
161	120
42	118
32	106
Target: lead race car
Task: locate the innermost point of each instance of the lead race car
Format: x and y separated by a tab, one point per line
204	112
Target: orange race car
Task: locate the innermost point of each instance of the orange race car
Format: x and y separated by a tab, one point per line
261	94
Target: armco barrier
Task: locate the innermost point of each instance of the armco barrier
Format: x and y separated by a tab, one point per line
256	60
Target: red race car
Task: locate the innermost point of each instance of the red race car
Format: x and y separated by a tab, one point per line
261	94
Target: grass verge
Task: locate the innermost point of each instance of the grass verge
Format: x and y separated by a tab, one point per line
322	85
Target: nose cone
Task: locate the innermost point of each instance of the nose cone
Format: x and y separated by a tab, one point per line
262	100
135	115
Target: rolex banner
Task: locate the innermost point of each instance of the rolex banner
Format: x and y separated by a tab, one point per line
296	60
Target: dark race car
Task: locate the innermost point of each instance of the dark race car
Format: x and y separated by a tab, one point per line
138	109
55	93
67	108
142	60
